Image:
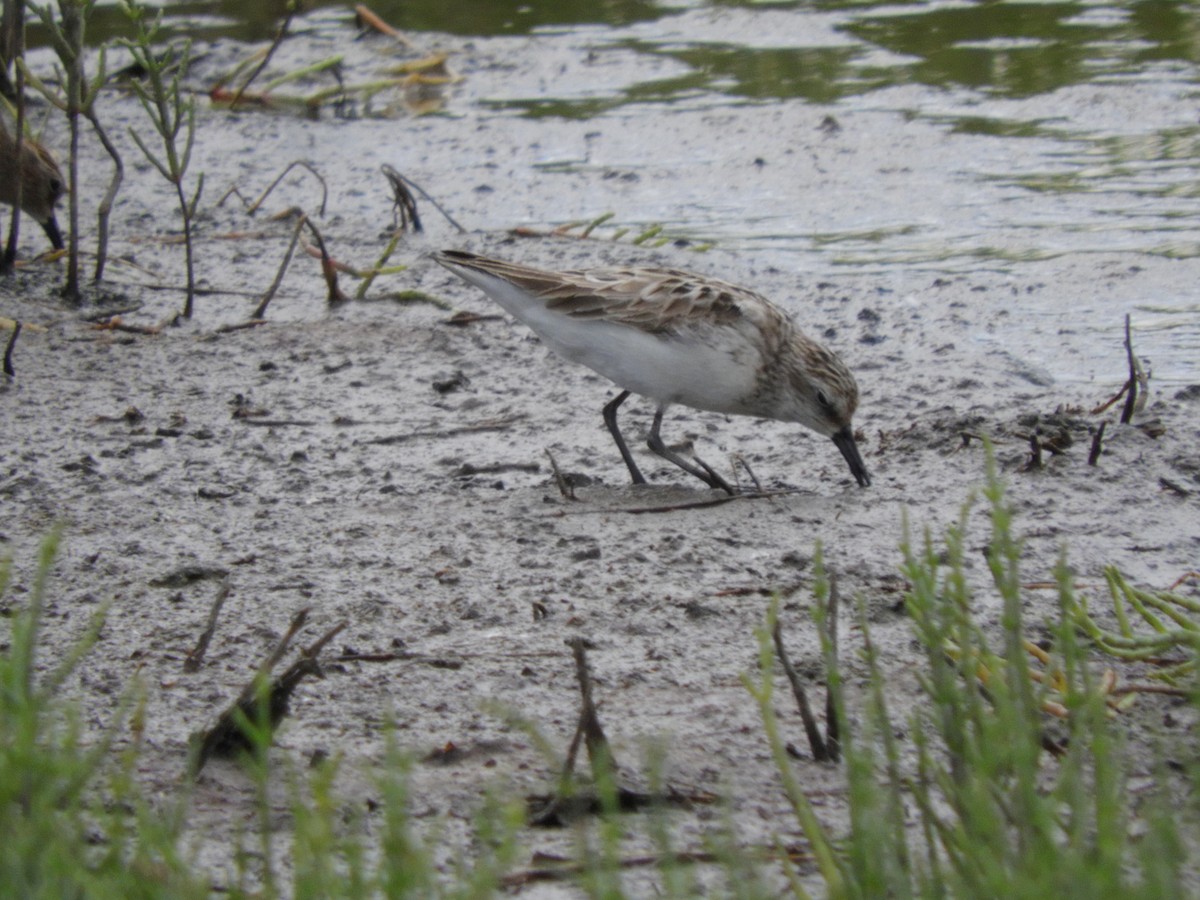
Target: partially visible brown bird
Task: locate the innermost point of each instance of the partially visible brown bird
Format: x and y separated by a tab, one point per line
42	183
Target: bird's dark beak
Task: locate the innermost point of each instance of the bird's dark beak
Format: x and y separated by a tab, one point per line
50	226
845	442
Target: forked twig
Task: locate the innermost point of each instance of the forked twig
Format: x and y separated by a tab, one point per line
390	173
252	208
259	704
404	207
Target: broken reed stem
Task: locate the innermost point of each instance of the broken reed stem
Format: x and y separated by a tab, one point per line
1035	448
8	350
280	650
252	208
1111	400
403	205
1097	445
741	460
564	487
261	310
599	750
195	659
1138	381
420	190
328	268
833	739
254	705
811	728
279	36
104	210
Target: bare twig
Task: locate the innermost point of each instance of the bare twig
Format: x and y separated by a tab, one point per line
259	704
261	309
195	659
486	425
815	740
570	871
599	750
9	370
1111	400
328	269
564	487
280	34
1035	449
404	207
1176	488
758	488
1135	400
389	171
1097	445
252	208
833	737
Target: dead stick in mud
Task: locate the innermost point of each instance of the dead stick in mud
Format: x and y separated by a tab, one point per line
328	269
261	309
741	460
833	735
599	750
557	810
195	659
252	208
815	741
420	190
486	425
277	654
564	487
264	706
1097	445
1035	449
9	370
279	36
572	870
1176	488
1138	381
239	326
698	504
1111	400
404	206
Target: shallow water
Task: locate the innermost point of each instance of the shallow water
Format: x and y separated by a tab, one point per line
933	136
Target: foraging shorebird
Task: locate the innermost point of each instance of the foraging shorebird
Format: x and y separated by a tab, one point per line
677	337
42	183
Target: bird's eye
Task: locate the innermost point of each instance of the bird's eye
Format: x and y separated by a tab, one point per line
823	399
55	188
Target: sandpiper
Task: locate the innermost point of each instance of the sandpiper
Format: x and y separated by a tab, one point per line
678	337
42	183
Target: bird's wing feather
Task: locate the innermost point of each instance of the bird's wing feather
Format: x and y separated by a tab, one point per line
653	300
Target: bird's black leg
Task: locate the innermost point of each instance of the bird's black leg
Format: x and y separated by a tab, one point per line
610	419
701	470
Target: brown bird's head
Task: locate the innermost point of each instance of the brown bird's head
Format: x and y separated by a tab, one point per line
42	183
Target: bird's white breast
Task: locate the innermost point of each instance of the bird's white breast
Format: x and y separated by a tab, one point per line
707	366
